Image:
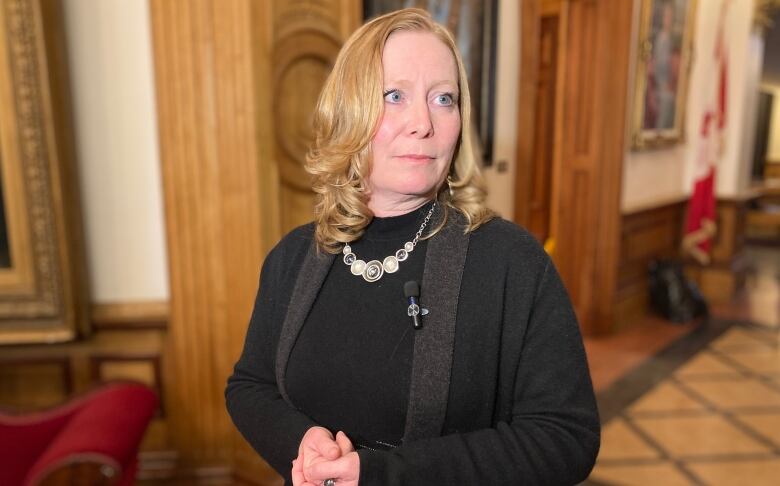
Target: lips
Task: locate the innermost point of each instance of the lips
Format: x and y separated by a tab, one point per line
419	157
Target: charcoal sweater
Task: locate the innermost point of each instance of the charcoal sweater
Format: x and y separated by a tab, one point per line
498	395
360	332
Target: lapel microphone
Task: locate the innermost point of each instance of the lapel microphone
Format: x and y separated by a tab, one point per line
411	292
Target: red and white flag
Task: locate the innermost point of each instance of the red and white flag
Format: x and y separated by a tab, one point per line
700	225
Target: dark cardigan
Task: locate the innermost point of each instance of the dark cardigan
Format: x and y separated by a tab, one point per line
500	391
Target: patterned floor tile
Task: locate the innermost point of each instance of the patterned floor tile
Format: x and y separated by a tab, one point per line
704	365
729	473
740	339
641	475
765	424
734	394
705	409
666	397
619	441
699	436
762	361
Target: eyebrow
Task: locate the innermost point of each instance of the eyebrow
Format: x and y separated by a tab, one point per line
406	82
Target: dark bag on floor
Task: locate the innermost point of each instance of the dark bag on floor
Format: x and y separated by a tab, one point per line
672	295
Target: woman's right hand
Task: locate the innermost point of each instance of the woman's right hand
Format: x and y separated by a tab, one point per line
318	445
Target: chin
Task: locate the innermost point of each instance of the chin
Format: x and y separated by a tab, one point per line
425	189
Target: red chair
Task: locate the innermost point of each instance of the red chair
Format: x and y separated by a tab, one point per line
91	439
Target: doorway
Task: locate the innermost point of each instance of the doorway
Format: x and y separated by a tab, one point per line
543	44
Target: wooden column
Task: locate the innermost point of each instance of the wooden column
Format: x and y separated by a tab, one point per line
236	83
213	152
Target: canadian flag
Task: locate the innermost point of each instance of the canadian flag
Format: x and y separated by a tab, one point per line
700	225
700	222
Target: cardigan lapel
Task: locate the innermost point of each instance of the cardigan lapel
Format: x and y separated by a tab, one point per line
445	259
307	286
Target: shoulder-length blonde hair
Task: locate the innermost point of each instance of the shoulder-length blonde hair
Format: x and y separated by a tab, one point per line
345	121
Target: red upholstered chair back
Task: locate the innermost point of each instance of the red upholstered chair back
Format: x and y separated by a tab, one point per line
103	427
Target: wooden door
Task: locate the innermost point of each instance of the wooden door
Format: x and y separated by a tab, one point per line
571	142
543	23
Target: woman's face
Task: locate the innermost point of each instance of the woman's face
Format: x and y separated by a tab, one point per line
416	138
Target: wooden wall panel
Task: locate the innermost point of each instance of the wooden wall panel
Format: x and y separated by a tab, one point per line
35	377
34	383
724	276
645	235
657	233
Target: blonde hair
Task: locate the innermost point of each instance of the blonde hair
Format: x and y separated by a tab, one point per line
345	121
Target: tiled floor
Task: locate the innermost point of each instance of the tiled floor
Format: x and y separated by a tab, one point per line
705	410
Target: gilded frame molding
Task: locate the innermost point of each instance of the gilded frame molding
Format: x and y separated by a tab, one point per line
43	288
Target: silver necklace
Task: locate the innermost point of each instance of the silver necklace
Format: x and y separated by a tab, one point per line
373	270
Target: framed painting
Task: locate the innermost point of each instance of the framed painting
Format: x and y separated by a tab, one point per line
43	292
663	67
474	25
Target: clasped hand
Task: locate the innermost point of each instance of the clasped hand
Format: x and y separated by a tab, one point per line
322	457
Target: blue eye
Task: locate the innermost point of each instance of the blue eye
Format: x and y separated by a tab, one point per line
393	96
446	99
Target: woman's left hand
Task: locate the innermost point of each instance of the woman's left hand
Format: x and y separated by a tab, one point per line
345	470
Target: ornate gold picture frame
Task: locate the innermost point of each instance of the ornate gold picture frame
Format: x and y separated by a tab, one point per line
42	283
664	57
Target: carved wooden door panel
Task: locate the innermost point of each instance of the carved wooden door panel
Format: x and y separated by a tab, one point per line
543	147
306	40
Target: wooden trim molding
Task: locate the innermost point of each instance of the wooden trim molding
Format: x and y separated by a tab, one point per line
642	207
131	315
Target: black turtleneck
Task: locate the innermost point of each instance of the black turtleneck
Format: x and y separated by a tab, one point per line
350	367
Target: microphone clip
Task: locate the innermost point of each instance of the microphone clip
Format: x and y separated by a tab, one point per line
412	292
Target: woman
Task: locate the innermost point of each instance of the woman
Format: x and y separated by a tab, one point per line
493	387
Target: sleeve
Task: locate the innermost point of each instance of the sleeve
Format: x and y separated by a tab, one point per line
552	435
267	422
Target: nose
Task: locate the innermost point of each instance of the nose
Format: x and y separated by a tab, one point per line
420	123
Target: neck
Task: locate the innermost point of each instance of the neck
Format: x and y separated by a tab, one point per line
384	208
